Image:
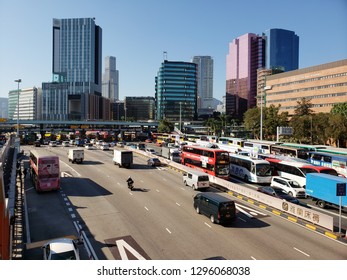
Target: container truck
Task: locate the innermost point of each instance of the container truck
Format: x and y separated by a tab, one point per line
123	158
171	153
322	188
76	155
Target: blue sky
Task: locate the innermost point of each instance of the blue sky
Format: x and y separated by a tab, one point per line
137	32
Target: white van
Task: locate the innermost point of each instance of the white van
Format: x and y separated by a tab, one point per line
196	180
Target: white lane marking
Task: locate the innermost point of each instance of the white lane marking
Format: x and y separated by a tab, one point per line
146	208
168	230
207	225
141	181
178	204
70	209
157	190
253	258
242	219
164	179
79	175
252	211
243	211
307	255
73	216
65	199
183	189
67	204
130	193
118	183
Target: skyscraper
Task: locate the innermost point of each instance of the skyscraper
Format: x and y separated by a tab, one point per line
282	49
176	91
110	84
204	80
76	70
246	55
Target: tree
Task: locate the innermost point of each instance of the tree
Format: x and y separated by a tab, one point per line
165	126
252	121
304	107
272	120
340	109
212	125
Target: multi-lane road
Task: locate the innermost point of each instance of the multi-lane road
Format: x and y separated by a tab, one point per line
157	219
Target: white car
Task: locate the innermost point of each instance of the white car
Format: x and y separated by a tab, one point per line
61	249
289	186
151	151
89	146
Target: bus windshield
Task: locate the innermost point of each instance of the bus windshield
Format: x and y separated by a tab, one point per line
263	169
222	169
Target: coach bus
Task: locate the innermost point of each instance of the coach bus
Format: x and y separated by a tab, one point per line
256	147
212	161
335	161
296	170
44	171
250	170
296	152
231	141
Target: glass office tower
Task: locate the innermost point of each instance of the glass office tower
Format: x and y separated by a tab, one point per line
76	69
246	55
204	80
282	49
176	91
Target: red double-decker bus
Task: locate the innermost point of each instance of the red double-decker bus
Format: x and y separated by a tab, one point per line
44	171
211	161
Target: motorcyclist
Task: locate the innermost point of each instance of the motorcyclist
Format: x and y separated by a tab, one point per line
130	182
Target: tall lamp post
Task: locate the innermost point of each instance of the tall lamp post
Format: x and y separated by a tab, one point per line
180	117
18	81
261	110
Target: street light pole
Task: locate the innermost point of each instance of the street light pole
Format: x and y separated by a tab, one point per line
18	81
181	116
261	110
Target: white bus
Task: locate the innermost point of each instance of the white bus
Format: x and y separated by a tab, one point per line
296	170
231	141
249	169
256	147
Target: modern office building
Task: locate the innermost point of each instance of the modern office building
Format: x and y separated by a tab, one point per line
140	108
282	49
110	83
76	69
246	55
176	91
325	85
28	108
204	81
3	107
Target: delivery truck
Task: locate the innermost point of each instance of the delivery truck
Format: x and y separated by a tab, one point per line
123	158
324	189
171	153
76	155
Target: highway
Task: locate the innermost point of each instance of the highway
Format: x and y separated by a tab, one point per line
157	219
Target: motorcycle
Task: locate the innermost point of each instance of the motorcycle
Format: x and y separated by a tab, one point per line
130	185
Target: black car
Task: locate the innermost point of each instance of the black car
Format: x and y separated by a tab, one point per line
154	162
279	193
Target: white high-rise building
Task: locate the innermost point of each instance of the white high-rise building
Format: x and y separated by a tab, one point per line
110	86
204	80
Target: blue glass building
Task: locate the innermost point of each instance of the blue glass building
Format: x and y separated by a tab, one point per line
282	49
176	91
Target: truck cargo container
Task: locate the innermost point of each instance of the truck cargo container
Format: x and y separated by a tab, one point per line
322	188
123	158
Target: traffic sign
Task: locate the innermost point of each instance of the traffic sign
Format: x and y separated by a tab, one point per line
341	189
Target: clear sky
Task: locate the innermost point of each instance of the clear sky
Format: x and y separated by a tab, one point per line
137	32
